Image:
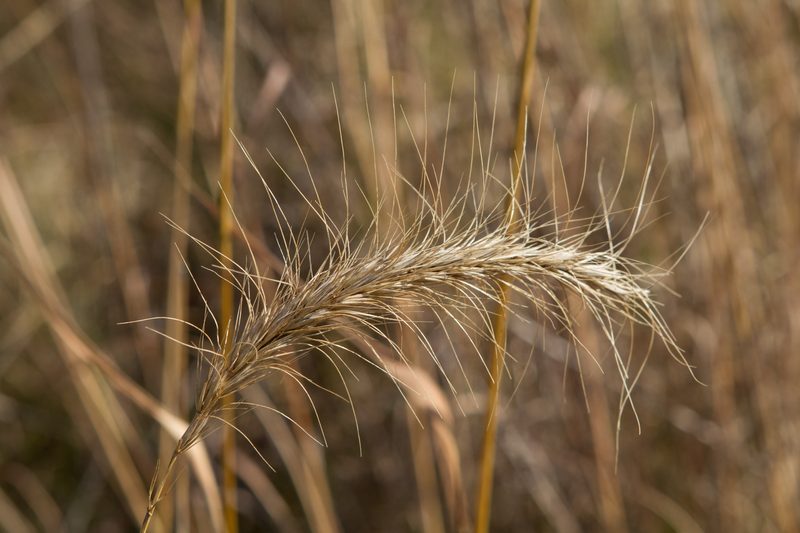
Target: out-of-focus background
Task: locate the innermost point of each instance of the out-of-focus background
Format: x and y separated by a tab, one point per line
89	139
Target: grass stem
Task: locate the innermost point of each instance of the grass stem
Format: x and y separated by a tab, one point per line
226	247
484	498
175	353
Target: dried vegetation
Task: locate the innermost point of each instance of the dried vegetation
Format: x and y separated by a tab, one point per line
334	302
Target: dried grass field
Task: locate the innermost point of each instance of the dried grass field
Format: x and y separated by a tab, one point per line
372	265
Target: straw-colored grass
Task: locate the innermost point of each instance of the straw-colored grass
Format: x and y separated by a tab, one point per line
97	139
452	261
483	501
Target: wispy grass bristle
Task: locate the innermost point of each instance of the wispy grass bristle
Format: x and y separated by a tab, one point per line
452	262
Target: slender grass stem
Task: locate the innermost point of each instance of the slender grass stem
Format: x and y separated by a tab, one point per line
175	353
484	497
226	247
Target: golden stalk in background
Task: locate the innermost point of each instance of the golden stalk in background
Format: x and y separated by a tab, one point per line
226	248
483	502
98	138
175	353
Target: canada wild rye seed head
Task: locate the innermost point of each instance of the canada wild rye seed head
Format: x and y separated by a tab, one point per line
451	258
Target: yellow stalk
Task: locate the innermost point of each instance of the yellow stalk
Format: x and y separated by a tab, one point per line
175	353
486	475
226	248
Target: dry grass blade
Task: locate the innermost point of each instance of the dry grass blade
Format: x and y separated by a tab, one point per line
109	422
254	476
314	496
83	358
425	99
427	401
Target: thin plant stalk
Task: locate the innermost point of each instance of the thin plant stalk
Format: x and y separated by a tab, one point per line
483	504
175	353
226	247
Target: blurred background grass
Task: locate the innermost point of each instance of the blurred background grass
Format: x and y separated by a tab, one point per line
88	110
